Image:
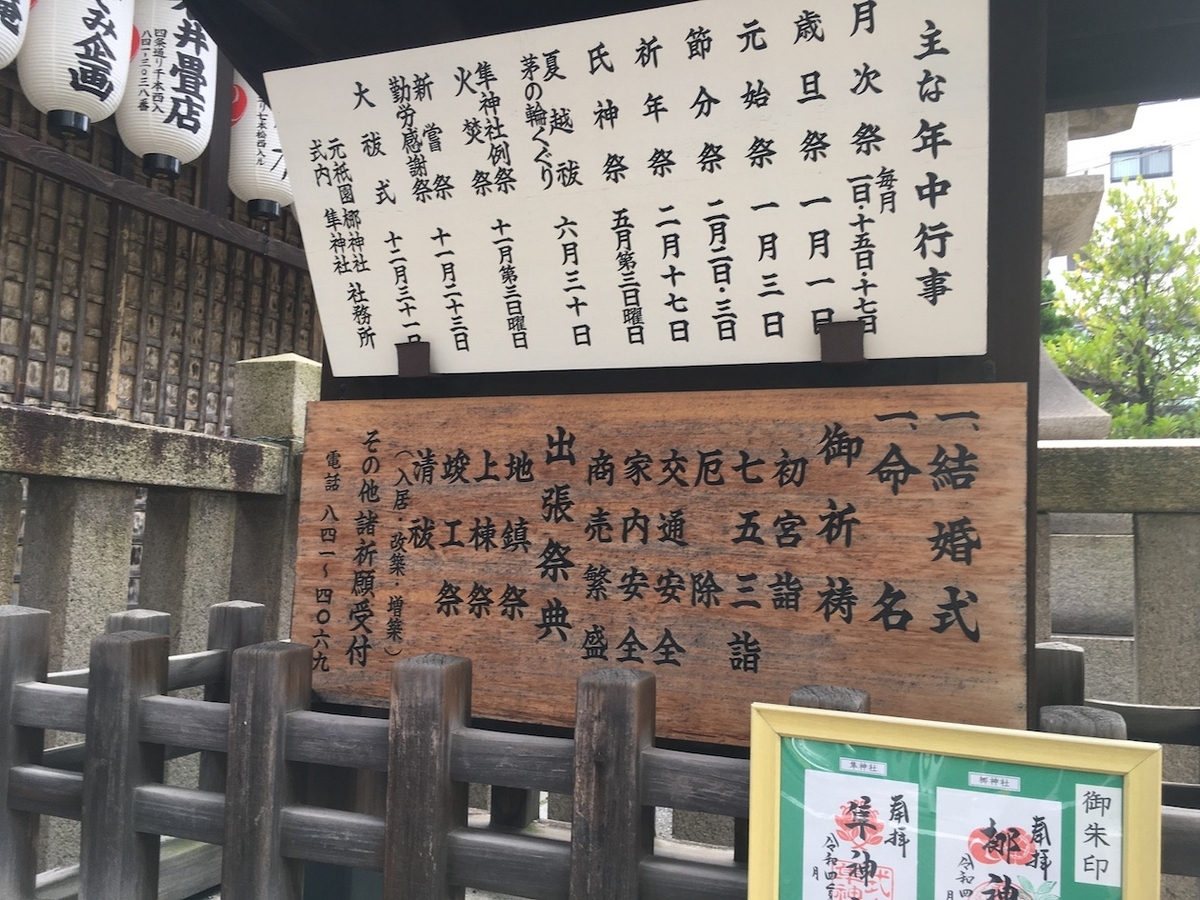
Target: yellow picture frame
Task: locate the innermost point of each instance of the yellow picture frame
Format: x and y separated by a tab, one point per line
1137	765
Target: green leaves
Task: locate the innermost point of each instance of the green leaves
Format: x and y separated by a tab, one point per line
1134	307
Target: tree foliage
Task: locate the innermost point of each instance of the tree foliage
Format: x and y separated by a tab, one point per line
1134	305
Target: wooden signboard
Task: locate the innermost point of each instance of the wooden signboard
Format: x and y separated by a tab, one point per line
736	544
701	183
845	805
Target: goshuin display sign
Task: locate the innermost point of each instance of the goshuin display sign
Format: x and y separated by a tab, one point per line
845	805
737	544
703	183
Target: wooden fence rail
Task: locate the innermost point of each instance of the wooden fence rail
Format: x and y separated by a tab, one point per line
257	737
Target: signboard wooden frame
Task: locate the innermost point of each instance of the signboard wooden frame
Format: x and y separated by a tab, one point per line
702	540
862	748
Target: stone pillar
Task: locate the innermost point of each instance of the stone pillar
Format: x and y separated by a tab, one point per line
1041	611
187	557
1167	621
76	560
270	403
10	526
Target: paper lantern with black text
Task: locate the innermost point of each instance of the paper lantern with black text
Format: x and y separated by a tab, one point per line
166	115
75	60
14	16
257	170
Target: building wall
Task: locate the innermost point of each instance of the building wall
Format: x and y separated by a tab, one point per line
105	309
1175	124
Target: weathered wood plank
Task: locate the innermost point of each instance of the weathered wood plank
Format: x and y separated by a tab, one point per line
195	669
24	657
695	781
186	868
231	625
179	812
51	161
68	678
1083	721
187	724
510	864
611	828
186	670
1180	834
355	742
431	699
270	680
513	760
332	836
148	620
50	706
735	523
48	791
1177	794
115	860
1157	724
668	879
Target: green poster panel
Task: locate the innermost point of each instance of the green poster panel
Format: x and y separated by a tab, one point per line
850	807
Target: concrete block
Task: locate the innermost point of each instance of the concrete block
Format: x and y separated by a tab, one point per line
187	556
1092	583
1041	591
560	807
1091	523
76	560
1054	158
1167	560
270	396
1176	887
10	527
1089	123
1110	666
1063	412
264	556
702	828
1069	208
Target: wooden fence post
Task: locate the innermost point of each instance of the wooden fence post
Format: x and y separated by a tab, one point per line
610	829
230	626
1058	675
431	699
24	656
114	859
138	620
270	681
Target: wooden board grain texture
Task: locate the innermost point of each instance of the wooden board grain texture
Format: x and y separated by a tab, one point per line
494	528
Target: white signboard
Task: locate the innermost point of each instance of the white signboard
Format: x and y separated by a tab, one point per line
705	183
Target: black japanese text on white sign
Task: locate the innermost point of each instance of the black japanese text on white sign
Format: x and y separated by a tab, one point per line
705	183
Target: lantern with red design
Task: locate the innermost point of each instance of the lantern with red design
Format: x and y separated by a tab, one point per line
166	115
75	60
257	171
14	15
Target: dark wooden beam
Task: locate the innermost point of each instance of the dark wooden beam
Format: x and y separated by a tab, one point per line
47	160
215	193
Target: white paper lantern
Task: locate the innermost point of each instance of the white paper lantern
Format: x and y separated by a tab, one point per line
257	171
75	60
14	16
166	115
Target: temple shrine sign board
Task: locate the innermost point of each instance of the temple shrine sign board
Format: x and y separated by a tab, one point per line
698	184
737	544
